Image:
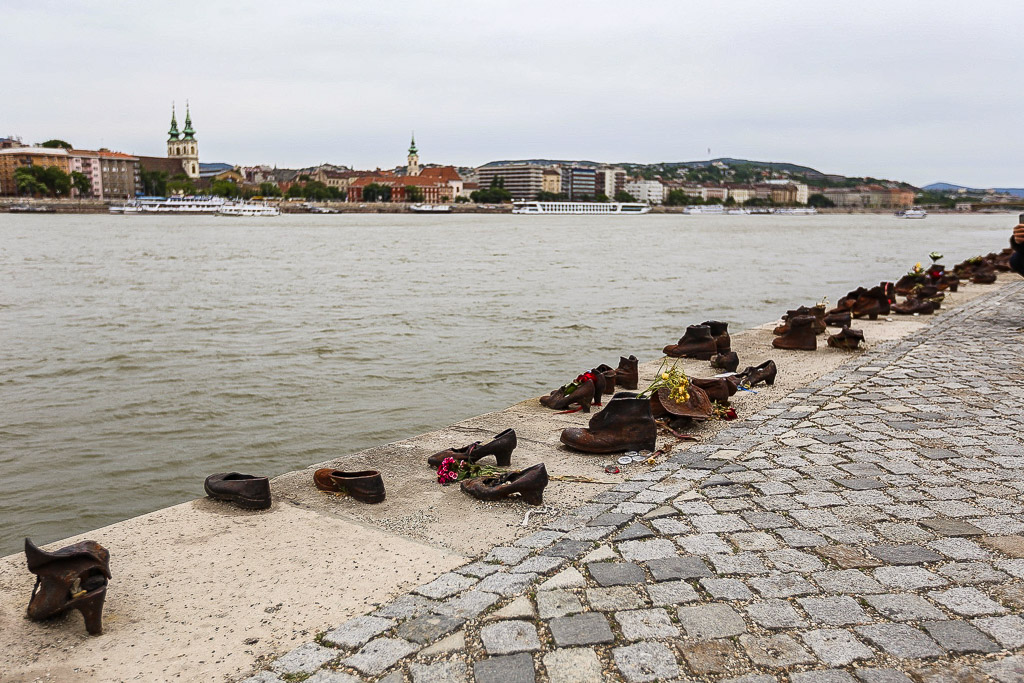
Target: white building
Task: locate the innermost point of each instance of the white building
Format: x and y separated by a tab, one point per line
649	191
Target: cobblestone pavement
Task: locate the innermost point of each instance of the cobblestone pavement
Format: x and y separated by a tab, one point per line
868	527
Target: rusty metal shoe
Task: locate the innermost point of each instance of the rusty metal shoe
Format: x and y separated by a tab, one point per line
625	424
838	319
801	335
912	305
244	490
627	375
366	486
697	343
720	331
718	389
754	375
871	303
501	447
697	407
726	361
582	393
528	484
846	339
73	577
984	277
610	376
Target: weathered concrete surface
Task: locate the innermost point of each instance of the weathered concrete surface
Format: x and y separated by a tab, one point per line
193	583
867	526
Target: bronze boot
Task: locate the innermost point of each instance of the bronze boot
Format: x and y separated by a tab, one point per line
912	305
720	331
838	319
718	389
73	577
609	374
800	335
727	361
696	343
625	424
628	374
846	339
528	483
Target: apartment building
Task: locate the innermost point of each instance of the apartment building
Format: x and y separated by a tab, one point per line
523	181
579	182
13	158
648	191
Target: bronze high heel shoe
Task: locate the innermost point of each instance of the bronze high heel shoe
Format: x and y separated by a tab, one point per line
74	577
501	447
528	483
582	392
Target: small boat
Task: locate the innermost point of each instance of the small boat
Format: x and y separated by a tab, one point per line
799	211
704	209
248	209
28	208
430	208
911	213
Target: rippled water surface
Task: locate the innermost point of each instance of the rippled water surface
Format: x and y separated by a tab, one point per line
139	354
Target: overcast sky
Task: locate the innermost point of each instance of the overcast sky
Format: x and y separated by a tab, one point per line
917	91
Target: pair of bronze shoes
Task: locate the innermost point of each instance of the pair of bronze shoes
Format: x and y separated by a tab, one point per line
625	424
846	339
702	341
800	334
366	486
753	375
590	388
527	484
501	447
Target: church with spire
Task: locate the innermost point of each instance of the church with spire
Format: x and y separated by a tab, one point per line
183	146
413	166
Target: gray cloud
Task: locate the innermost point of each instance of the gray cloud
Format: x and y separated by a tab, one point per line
922	91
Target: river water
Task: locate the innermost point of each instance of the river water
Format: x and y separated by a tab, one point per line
140	354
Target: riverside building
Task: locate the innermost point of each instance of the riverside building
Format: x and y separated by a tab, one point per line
13	158
579	182
523	181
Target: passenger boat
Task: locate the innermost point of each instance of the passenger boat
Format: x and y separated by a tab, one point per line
248	209
176	204
704	209
797	211
430	208
911	213
580	208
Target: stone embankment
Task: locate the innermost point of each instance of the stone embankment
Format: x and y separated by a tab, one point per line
861	522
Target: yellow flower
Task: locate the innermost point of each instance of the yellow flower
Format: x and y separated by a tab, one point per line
664	375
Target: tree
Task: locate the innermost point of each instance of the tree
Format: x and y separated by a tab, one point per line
375	192
181	184
154	183
316	191
55	144
81	182
270	190
552	197
295	191
602	197
492	195
27	182
413	193
37	180
224	188
623	196
820	201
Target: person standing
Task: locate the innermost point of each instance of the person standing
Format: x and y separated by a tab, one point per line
1017	242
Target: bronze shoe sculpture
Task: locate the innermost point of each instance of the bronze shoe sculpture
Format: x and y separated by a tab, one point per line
697	407
244	490
912	305
582	393
718	389
984	277
847	302
754	375
871	303
74	577
838	319
697	343
801	335
610	375
501	447
846	339
366	486
528	484
726	361
720	331
625	424
627	375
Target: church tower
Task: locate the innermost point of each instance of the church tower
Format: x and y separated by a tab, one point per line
184	146
414	158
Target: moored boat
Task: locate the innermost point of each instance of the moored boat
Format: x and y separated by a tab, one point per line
430	208
580	208
248	209
911	213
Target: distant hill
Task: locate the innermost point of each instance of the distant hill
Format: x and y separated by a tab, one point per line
949	187
776	165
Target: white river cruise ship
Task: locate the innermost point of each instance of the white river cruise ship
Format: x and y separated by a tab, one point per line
579	208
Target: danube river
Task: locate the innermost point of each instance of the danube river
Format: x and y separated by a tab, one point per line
140	354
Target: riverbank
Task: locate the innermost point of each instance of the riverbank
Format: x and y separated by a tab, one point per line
204	587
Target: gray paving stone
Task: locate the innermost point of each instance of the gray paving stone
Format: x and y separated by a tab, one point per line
646	624
882	676
557	603
834	611
305	659
356	632
642	551
908	578
645	662
794	561
1007	670
568	549
777	652
469	605
904	607
509	637
611	519
951	527
969	602
799	538
752	678
782	585
506	555
539	539
506	584
264	677
959	636
822	676
405	606
377	655
508	669
445	586
972	573
836	647
616	573
573	665
1008	630
675	567
479	569
672	593
727	589
428	628
589	628
705	622
849	581
615	598
905	554
900	640
540	564
327	676
742	564
633	532
453	670
703	544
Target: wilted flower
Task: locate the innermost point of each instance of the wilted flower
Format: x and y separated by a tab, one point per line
935	256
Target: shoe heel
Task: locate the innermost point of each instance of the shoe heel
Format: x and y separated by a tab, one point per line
533	497
504	460
91	609
585	404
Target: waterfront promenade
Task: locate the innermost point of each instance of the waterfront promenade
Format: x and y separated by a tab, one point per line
864	527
